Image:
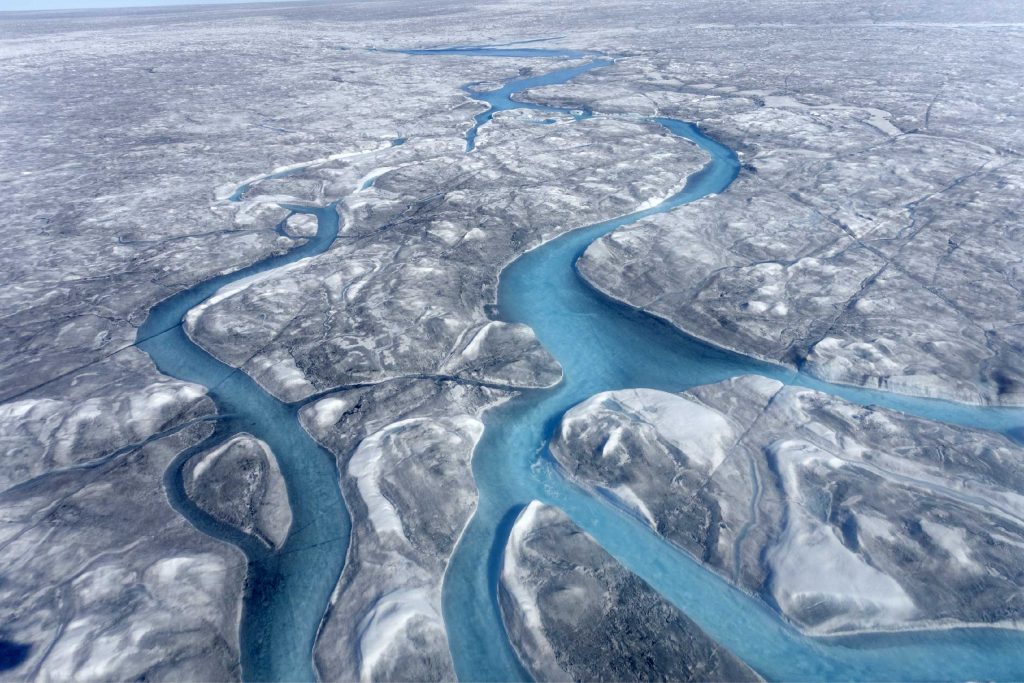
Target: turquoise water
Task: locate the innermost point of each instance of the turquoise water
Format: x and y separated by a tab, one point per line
500	99
286	591
602	345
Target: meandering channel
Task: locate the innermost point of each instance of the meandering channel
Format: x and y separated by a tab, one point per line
288	590
600	345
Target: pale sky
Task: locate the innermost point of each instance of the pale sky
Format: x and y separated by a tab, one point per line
6	5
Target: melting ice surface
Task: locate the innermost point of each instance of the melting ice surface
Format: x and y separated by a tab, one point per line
602	345
286	591
501	98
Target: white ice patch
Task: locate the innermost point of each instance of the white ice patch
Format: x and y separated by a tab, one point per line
613	448
373	452
303	224
954	542
366	182
278	372
366	467
225	191
514	577
207	461
229	290
386	623
327	412
704	435
472	350
634	502
876	118
875	527
653	202
811	566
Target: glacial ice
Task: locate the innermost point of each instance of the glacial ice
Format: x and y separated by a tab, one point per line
573	613
850	518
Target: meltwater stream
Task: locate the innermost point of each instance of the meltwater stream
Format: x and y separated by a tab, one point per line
288	590
600	345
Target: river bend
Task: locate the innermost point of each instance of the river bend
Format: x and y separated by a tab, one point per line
601	345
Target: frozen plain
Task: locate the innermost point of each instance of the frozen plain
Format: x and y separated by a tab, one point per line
894	180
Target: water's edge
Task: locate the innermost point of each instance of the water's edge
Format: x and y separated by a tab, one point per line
287	591
601	345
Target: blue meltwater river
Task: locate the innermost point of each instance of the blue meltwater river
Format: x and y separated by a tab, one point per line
601	345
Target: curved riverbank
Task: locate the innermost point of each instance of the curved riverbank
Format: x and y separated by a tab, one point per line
604	345
601	345
288	590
